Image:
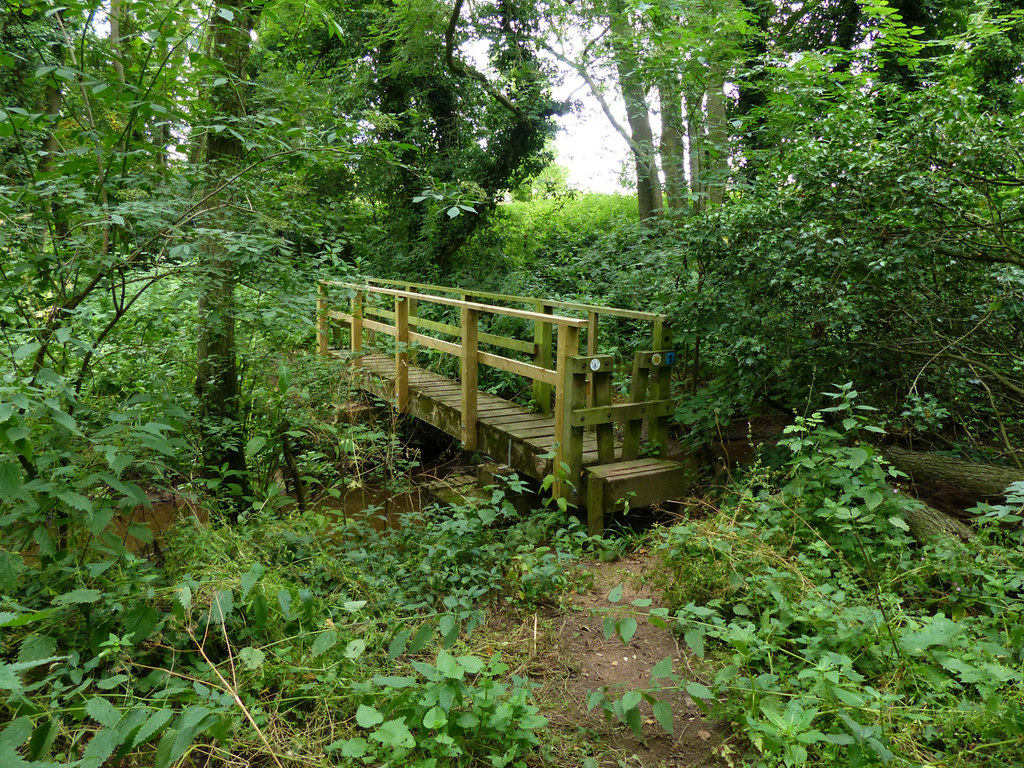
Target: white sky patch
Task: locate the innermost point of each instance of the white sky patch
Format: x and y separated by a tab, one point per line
587	144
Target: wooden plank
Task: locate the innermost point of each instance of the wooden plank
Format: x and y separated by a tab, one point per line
560	320
633	430
356	322
654	358
592	327
661	389
534	372
542	358
634	467
505	342
439	344
587	363
566	399
402	352
605	432
321	321
610	414
469	369
612	311
524	417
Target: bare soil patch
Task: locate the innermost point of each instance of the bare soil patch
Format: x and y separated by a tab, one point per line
581	659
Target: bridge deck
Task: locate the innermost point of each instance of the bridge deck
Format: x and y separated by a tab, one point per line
505	430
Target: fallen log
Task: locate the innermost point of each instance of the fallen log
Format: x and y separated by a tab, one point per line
929	525
977	479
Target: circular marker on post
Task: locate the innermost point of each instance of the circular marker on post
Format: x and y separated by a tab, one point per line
656	359
595	365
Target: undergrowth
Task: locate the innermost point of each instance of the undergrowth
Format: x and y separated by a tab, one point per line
837	639
291	639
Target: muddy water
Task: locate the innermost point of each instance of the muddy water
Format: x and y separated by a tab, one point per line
378	508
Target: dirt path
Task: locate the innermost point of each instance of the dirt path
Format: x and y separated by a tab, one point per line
582	660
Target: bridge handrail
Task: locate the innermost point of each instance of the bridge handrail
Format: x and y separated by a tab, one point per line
493	309
629	314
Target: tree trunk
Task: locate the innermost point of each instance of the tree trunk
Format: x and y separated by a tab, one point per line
980	480
217	380
670	94
929	525
715	150
648	183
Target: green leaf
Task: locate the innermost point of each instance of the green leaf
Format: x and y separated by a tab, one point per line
662	669
394	734
35	647
626	628
354	605
355	649
140	622
183	595
102	711
663	714
367	717
156	723
78	596
75	500
252	658
435	718
353	748
695	639
423	635
43	737
10	480
11	566
472	664
249	579
254	446
699	691
398	643
642	602
449	666
615	595
324	642
630	700
899	522
222	606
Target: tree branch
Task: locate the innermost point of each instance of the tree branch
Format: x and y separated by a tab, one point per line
461	68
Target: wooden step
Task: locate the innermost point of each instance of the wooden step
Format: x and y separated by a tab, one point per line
638	483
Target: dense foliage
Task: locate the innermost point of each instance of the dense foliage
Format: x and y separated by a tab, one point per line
842	203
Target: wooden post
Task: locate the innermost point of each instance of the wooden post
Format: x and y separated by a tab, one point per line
321	320
542	357
592	321
570	393
637	394
413	309
356	340
661	388
402	353
602	394
469	367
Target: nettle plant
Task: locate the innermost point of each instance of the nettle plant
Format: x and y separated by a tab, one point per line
834	635
453	709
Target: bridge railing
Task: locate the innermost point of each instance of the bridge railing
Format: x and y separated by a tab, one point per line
542	349
581	385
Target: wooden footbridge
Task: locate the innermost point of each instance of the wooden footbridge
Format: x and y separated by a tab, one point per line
577	432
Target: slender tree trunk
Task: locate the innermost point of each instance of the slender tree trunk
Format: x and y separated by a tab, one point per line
114	17
670	93
695	144
217	379
716	165
634	94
